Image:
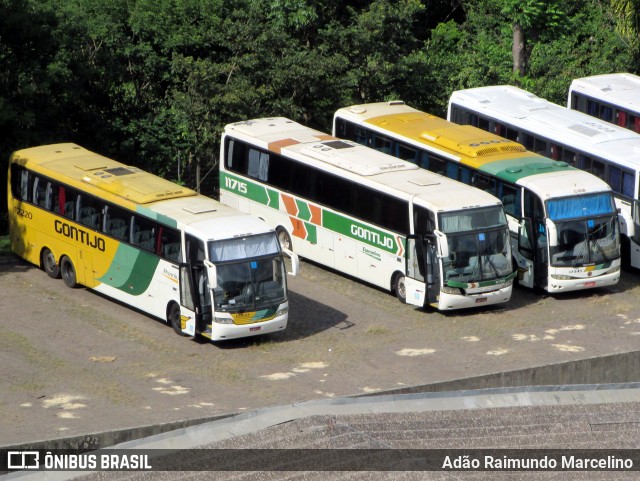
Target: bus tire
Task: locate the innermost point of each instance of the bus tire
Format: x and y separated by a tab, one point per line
49	264
399	287
68	272
173	318
284	238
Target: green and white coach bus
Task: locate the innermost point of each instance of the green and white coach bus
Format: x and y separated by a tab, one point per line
429	239
146	242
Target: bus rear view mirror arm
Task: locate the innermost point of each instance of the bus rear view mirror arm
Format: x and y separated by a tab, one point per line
295	262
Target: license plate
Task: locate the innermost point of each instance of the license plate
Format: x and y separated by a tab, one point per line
257	328
589	284
481	299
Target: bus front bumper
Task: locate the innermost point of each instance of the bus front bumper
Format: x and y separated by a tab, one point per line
558	283
447	302
223	332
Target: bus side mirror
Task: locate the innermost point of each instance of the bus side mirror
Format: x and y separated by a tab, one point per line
295	262
443	245
212	274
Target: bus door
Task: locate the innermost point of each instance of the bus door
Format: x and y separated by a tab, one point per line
421	279
195	305
526	253
541	270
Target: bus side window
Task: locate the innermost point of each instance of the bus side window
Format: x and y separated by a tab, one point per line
382	143
90	212
627	183
195	249
511	200
540	147
24	185
597	169
236	157
40	192
117	223
143	233
68	202
55	197
465	175
407	153
621	118
606	113
438	166
169	244
424	160
485	183
258	165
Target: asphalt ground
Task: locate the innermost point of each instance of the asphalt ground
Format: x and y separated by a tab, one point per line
75	363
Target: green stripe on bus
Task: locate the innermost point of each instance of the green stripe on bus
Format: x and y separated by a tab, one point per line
250	190
312	233
330	220
156	216
131	270
359	231
274	199
304	212
518	168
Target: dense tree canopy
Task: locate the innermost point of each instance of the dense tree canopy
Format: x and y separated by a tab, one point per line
153	82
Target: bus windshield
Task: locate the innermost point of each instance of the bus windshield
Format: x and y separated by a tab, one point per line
587	230
586	241
478	243
250	273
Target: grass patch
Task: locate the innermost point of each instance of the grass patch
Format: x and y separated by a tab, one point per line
5	245
377	330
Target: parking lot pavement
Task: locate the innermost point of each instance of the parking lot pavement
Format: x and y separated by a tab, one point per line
73	363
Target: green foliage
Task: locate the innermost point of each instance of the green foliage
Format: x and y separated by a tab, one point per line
153	82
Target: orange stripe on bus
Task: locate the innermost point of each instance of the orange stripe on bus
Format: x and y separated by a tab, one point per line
278	145
290	205
316	214
298	228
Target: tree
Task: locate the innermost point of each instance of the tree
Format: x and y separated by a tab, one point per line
627	14
528	19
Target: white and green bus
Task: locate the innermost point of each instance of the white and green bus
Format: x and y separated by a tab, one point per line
153	245
431	240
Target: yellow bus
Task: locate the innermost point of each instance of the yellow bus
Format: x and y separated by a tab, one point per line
564	229
156	246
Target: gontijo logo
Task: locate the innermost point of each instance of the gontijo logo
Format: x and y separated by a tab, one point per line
372	237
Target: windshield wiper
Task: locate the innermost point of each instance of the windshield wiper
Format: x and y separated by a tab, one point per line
604	256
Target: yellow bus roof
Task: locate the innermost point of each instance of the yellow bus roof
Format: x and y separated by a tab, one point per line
478	146
72	162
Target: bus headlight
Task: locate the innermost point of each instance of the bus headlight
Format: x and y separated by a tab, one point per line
282	312
454	291
222	320
561	277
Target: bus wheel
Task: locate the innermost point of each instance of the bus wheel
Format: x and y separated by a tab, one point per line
68	272
173	318
400	288
283	237
49	264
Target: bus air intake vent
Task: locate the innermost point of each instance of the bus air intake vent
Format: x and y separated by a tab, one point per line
488	151
584	130
119	171
338	144
512	148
